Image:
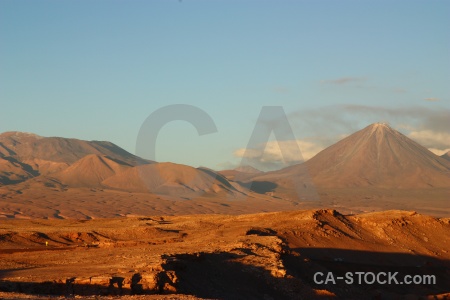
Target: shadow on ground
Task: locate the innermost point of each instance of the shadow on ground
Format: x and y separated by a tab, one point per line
350	263
224	275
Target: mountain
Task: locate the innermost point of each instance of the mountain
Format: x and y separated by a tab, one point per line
376	168
240	173
169	179
32	162
13	171
376	156
29	155
446	155
248	169
91	170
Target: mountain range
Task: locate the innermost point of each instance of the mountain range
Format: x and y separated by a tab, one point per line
376	162
97	164
25	155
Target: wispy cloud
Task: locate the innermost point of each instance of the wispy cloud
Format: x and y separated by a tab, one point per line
429	127
361	82
269	156
344	80
432	99
439	152
439	141
327	125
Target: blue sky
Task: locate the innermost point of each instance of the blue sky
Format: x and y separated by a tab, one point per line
96	70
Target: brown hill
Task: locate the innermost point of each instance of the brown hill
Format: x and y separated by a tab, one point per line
12	171
169	179
47	155
91	170
376	156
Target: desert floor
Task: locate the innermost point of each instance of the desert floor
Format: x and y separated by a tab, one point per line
254	256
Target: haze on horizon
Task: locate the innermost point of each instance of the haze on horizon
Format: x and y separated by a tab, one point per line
96	70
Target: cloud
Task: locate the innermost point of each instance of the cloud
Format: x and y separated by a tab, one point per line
278	154
343	80
438	151
432	99
428	126
362	83
416	116
319	128
431	139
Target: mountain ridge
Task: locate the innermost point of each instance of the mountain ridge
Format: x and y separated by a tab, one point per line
376	168
49	155
375	156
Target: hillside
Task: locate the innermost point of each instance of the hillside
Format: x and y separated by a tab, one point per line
240	173
446	155
36	155
169	179
91	170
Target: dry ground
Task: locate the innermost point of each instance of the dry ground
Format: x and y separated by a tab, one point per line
256	256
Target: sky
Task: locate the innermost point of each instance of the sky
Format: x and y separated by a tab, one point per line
97	70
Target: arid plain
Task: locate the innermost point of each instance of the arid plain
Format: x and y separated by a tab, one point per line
89	219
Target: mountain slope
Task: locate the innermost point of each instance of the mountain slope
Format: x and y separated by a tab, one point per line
169	179
26	146
12	171
446	155
376	156
48	155
90	171
241	172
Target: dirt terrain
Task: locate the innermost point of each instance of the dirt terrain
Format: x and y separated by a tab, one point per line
256	256
90	220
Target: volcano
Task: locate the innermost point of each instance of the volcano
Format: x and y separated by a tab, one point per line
376	156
